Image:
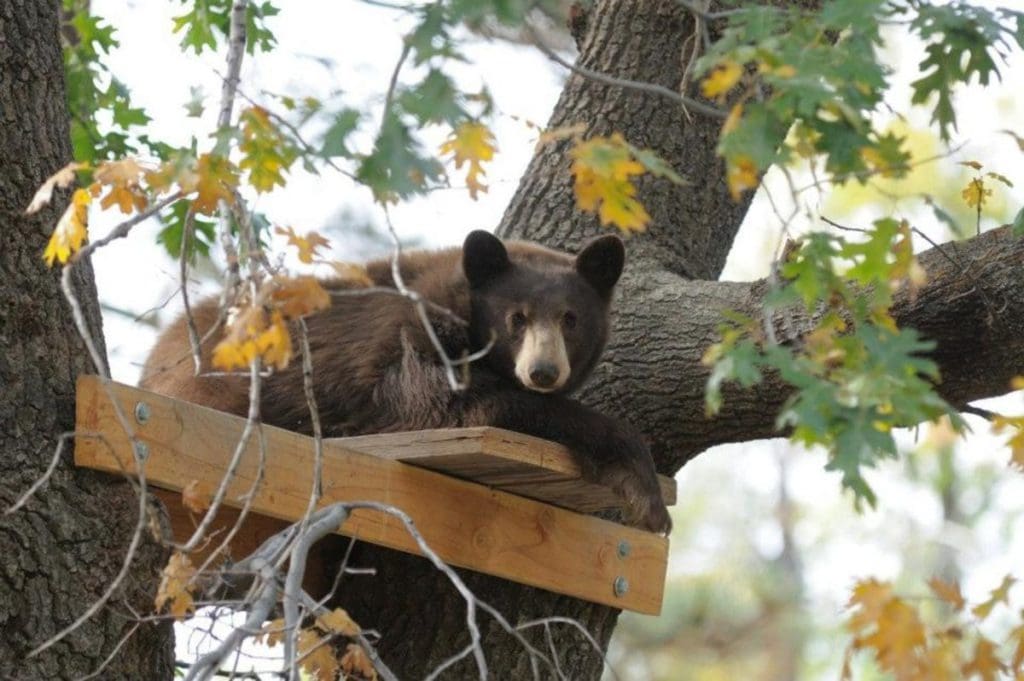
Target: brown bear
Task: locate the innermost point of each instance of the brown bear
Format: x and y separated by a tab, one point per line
375	369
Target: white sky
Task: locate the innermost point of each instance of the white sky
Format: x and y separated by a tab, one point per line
362	44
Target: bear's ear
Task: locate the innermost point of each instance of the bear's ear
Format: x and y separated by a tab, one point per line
483	257
600	263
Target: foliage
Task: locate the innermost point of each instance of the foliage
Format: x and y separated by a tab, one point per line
821	71
909	645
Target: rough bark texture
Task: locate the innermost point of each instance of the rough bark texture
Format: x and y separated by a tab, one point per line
59	552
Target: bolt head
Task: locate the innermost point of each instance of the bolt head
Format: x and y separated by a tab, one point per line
620	586
624	548
141	412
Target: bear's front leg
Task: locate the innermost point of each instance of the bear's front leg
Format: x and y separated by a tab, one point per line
608	451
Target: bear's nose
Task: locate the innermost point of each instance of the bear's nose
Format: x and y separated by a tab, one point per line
543	374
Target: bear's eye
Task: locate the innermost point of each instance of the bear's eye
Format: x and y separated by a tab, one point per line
569	319
517	320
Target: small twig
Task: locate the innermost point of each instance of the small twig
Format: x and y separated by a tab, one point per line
978	411
639	86
44	478
190	321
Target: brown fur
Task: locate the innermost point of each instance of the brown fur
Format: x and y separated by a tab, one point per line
376	371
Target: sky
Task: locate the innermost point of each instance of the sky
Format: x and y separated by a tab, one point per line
351	47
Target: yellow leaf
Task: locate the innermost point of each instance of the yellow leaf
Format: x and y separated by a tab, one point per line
721	79
214	180
603	169
741	175
869	597
122	178
1014	424
356	662
971	164
250	335
471	142
1017	639
299	296
306	245
337	621
975	193
62	178
947	591
984	663
71	229
316	656
195	497
176	586
999	595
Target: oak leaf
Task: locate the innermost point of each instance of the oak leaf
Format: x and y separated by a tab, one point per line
176	586
71	229
337	621
316	656
356	662
307	246
195	497
721	79
947	591
471	143
1000	594
984	664
299	296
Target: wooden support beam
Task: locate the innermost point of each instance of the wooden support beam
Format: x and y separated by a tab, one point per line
468	524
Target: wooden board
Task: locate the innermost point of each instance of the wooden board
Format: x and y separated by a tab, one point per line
509	461
466	523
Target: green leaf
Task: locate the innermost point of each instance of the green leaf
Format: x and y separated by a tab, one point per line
334	140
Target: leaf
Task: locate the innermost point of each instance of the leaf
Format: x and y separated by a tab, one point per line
603	168
1016	138
999	595
337	621
1014	424
721	79
251	335
947	591
271	633
984	664
1017	226
215	180
195	497
473	143
306	245
355	661
741	175
63	178
71	229
266	153
975	193
176	586
298	296
316	656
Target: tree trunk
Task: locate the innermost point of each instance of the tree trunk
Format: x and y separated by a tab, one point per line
60	551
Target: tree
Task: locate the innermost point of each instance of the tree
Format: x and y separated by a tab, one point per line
674	262
66	546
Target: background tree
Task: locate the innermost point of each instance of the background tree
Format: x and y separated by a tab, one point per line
670	304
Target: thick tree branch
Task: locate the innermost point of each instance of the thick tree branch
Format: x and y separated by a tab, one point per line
972	306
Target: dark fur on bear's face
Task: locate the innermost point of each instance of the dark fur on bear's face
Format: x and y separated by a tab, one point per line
546	312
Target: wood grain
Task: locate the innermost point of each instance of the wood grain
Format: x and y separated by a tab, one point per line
466	523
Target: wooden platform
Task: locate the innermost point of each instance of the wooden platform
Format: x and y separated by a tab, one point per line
483	521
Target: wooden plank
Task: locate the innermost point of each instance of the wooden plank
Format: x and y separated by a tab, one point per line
466	523
513	462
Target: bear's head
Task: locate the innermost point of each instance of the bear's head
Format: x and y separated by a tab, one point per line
546	311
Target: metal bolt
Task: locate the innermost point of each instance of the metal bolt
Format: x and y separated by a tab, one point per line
620	586
141	450
624	548
141	412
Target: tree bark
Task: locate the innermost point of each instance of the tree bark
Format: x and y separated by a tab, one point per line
60	551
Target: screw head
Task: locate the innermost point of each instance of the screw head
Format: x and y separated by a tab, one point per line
141	412
620	586
141	450
624	548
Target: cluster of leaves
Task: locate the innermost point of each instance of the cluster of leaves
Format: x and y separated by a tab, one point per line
950	645
316	654
779	66
92	91
855	375
209	20
603	168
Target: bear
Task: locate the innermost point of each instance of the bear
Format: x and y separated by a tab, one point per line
542	315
